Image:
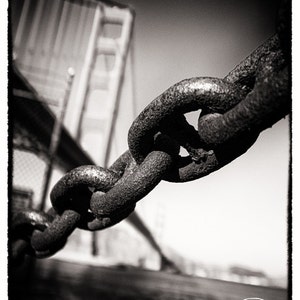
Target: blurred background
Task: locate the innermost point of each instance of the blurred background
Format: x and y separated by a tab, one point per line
82	71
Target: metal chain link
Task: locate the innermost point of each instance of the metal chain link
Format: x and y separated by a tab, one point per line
24	225
234	110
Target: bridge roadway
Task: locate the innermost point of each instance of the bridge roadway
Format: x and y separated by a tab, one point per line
53	279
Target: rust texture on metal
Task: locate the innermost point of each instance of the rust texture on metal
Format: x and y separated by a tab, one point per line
24	225
137	183
209	94
234	111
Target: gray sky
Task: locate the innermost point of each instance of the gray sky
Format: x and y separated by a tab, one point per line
238	214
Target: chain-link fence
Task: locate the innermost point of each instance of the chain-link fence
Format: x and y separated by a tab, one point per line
28	174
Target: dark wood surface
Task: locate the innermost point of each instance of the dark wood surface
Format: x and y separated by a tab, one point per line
52	279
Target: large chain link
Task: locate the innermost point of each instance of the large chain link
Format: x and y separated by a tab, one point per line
234	110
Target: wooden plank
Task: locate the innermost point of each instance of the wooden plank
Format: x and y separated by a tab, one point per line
54	279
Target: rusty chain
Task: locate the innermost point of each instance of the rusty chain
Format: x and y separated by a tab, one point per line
234	110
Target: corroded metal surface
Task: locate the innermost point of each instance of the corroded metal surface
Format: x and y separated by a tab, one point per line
134	187
25	225
208	94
